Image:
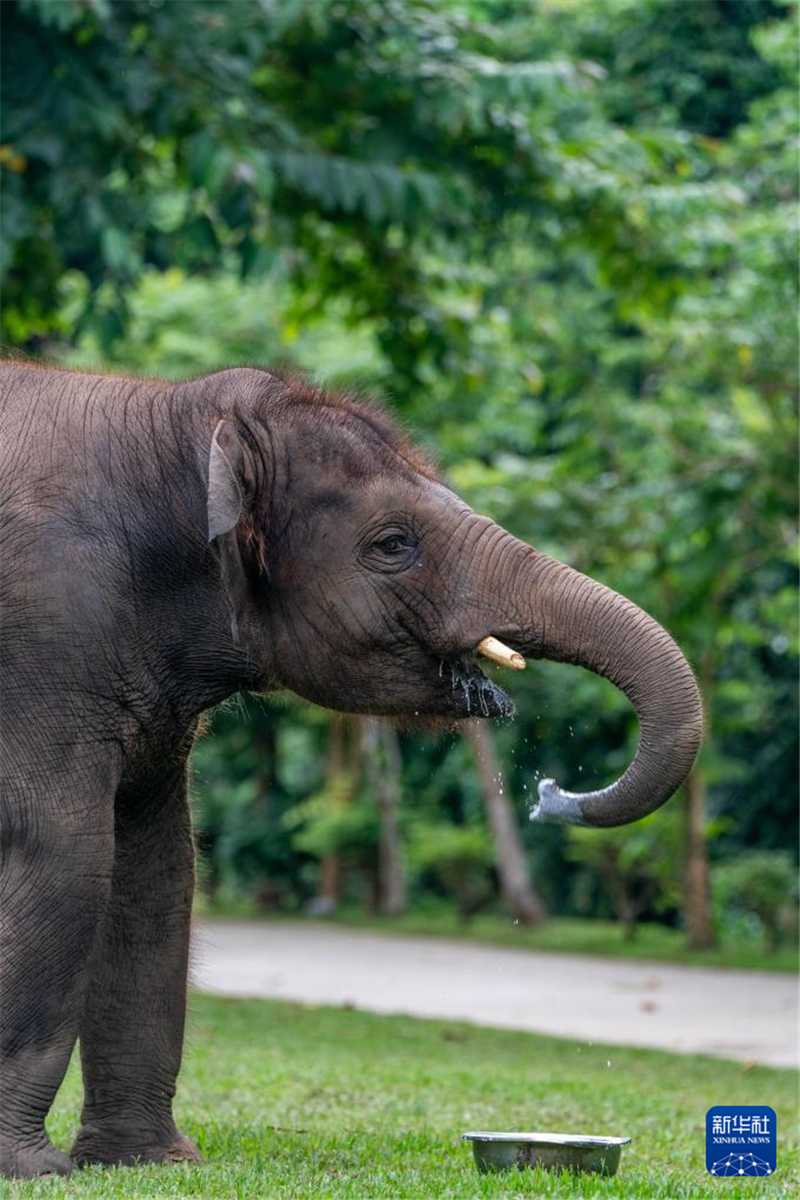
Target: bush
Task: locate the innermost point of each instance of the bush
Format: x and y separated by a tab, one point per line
637	866
760	884
333	822
459	858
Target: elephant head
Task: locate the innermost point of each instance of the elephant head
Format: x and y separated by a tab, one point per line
360	581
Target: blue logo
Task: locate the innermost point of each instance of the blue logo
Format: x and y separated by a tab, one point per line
741	1139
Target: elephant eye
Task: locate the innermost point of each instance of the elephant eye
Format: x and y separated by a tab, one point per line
394	550
395	543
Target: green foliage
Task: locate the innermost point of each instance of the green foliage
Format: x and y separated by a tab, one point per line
193	323
332	822
247	775
686	66
639	867
459	858
562	239
349	137
761	884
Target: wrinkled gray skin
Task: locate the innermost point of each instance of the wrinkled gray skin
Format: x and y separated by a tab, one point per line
164	546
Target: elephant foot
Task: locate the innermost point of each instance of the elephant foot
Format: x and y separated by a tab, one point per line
91	1148
182	1149
29	1162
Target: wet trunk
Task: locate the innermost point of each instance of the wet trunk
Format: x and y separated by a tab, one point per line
556	613
383	767
515	884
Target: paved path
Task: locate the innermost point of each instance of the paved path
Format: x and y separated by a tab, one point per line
733	1014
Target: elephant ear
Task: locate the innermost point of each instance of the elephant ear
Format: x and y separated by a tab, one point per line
227	471
224	490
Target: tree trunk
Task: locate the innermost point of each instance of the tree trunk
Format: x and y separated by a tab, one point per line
330	883
330	871
383	765
264	736
772	934
625	910
515	884
697	894
630	923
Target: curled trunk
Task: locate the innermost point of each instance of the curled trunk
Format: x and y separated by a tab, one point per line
571	618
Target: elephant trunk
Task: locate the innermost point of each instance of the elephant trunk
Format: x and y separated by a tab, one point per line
571	618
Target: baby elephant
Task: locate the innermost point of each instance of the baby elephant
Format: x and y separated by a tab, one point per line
164	546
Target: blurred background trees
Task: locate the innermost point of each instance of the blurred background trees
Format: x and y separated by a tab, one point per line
561	238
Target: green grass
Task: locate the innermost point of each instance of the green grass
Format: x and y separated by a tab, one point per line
293	1101
568	935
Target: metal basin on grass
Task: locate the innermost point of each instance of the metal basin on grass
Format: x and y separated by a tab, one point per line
553	1151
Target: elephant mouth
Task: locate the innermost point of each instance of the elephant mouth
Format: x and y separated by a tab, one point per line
471	693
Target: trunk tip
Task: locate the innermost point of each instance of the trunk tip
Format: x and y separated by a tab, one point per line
556	807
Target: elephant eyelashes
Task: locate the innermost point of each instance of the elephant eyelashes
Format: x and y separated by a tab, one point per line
395	550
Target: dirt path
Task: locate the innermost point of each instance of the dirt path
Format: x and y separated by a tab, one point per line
733	1014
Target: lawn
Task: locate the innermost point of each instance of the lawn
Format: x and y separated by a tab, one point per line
295	1101
567	935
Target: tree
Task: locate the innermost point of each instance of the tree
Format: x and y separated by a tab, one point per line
638	868
348	140
458	858
667	444
383	769
762	883
562	240
512	869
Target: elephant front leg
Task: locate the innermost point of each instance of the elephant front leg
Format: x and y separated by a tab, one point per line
132	1030
55	881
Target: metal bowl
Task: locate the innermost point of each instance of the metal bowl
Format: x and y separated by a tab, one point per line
553	1151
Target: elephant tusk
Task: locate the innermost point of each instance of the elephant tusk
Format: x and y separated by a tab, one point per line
491	648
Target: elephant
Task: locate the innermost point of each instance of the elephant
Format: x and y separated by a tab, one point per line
165	545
